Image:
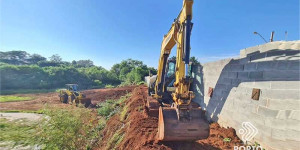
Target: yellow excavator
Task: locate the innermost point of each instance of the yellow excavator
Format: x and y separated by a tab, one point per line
179	119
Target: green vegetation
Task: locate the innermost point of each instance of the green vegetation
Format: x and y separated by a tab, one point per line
18	131
21	70
110	107
25	91
68	128
115	140
123	114
71	128
227	139
14	98
23	111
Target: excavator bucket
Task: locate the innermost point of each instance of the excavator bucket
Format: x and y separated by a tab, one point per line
172	129
85	101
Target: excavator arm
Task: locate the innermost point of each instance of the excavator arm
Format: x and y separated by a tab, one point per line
178	120
179	34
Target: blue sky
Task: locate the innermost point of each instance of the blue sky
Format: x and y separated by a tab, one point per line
108	31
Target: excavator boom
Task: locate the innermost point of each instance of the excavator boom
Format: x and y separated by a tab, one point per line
178	119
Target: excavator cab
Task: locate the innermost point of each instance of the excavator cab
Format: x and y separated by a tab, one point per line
72	87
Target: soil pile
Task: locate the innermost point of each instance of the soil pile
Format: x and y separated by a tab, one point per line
137	130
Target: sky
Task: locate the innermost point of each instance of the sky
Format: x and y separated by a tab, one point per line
109	31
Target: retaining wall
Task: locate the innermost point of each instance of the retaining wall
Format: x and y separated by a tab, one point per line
274	69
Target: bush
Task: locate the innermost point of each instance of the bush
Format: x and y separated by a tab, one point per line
66	129
108	86
105	109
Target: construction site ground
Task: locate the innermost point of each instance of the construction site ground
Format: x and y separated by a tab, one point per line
138	129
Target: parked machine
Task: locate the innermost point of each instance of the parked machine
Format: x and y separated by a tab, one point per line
171	98
71	95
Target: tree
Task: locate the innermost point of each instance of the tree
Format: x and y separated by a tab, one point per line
84	63
14	57
55	58
194	60
74	62
35	58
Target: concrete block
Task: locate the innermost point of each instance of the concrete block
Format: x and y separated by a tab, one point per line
295	114
283	104
283	114
249	51
294	65
255	118
254	108
244	91
226	81
236	67
281	94
261	102
292	124
285	85
256	75
244	60
292	135
283	65
278	74
278	134
235	82
268	65
221	86
250	66
291	144
263	131
242	75
257	57
262	85
232	75
275	123
270	143
247	84
264	111
278	53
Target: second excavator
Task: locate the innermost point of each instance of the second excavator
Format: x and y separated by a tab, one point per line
171	97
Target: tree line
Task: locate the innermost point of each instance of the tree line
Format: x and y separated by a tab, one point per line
21	70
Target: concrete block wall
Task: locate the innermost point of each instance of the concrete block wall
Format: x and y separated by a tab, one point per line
274	68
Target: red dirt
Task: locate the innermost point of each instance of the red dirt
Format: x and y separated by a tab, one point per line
40	99
140	130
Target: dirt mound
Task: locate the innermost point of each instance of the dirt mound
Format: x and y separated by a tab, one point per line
138	130
40	99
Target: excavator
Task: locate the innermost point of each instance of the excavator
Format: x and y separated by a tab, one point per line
179	118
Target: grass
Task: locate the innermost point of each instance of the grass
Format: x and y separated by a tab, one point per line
14	98
110	107
123	114
108	86
68	128
26	91
227	139
17	131
23	111
115	140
